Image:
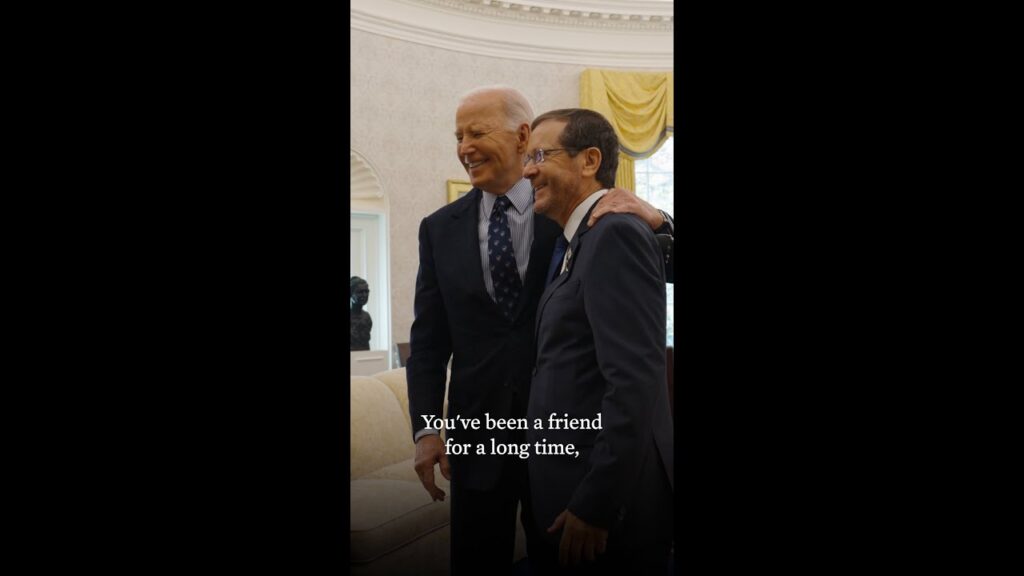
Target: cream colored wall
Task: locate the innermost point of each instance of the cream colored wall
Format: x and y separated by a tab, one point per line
403	117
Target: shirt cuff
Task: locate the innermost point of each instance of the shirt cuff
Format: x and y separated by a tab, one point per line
422	433
668	226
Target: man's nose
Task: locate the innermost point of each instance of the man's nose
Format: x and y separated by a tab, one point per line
529	171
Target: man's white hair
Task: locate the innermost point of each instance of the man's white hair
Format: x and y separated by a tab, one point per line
517	108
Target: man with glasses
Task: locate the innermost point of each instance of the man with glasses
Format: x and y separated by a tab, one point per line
609	505
484	261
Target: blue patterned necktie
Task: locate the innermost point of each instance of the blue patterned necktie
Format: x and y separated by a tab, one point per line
504	272
556	259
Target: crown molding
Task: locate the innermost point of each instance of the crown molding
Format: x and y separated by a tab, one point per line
474	27
650	16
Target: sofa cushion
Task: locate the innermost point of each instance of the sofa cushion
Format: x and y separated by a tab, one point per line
396	382
379	433
389	514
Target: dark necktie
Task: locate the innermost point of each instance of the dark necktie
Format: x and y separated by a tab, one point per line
504	272
556	259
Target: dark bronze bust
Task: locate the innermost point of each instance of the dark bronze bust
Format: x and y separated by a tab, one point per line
360	322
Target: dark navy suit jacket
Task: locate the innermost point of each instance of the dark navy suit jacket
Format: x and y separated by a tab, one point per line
492	357
600	336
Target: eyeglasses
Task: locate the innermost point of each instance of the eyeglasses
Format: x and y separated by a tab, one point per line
538	155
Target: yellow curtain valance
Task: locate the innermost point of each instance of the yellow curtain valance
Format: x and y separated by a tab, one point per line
640	107
638	104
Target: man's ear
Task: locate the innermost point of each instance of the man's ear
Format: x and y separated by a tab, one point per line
522	138
591	161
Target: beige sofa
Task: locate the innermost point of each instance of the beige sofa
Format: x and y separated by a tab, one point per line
395	528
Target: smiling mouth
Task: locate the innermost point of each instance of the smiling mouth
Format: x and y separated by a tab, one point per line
472	165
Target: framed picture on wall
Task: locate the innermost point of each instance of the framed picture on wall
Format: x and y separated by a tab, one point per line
458	188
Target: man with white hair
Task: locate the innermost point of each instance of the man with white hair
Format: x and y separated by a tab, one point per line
484	261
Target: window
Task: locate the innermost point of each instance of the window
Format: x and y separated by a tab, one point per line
654	183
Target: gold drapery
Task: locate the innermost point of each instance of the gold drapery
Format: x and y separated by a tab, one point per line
640	107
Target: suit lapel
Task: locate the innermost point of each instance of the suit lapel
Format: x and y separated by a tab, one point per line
469	245
544	233
572	252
